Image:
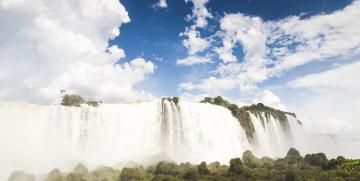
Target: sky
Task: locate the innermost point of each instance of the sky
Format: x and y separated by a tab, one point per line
301	56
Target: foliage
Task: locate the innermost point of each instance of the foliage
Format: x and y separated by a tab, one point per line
130	174
21	176
250	160
318	159
81	169
202	169
235	166
292	167
72	100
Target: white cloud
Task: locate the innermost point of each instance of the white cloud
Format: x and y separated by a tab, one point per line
49	46
269	99
273	47
161	4
193	59
193	42
199	12
320	37
341	78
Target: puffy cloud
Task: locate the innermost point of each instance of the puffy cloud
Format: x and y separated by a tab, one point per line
49	46
199	12
271	48
193	59
246	30
161	4
270	99
194	43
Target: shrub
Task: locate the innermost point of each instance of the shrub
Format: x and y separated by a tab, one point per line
55	175
74	177
250	160
81	169
21	176
166	168
293	156
131	174
235	166
317	159
291	176
72	100
92	103
202	169
191	174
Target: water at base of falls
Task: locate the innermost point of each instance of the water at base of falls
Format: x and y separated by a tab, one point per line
39	138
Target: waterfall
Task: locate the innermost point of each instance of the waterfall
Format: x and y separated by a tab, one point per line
274	138
38	138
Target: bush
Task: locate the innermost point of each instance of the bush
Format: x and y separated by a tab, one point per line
293	156
131	174
21	176
166	168
92	103
317	159
55	175
291	176
250	160
72	100
191	174
202	169
81	169
235	166
74	177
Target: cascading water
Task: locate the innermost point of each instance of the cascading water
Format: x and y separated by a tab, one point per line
274	138
38	138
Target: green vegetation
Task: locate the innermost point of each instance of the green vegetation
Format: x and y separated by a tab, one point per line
74	100
242	113
293	167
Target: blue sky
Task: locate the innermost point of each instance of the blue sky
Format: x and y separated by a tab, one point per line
153	33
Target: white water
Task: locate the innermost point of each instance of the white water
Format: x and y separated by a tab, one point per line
272	138
37	138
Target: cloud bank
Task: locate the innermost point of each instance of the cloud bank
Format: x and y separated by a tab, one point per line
48	46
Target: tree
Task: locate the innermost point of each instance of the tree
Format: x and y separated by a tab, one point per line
235	166
291	176
317	159
293	156
166	168
81	169
250	160
202	169
72	100
131	174
233	108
